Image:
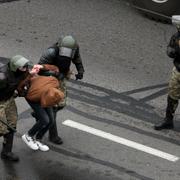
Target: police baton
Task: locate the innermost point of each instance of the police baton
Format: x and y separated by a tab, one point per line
13	129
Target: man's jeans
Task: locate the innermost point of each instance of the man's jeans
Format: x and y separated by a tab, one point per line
45	118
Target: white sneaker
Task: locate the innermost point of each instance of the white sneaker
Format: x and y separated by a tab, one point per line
30	142
42	146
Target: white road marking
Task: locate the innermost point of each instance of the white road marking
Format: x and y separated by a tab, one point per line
120	140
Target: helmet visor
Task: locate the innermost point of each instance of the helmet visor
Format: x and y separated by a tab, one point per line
28	66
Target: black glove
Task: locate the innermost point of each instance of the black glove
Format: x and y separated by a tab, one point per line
79	76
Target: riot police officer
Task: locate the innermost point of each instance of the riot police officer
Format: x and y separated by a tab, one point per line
173	51
61	54
11	73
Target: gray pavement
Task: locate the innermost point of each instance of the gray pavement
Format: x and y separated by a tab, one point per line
123	91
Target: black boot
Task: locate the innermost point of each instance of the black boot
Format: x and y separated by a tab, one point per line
56	140
7	153
53	133
167	124
168	120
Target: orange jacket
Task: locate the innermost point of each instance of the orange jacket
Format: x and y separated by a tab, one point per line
42	89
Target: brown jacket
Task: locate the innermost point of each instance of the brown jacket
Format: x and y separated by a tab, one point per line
41	89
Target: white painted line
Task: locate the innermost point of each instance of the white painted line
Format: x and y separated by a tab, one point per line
120	140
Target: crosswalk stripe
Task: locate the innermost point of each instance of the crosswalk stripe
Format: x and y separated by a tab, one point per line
120	140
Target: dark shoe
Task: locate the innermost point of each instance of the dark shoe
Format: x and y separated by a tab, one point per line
6	153
9	156
56	140
164	125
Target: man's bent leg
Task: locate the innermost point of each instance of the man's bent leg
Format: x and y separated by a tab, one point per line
53	132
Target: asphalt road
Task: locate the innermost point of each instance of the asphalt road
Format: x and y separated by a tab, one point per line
123	91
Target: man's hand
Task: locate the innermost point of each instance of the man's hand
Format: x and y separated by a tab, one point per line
79	76
36	68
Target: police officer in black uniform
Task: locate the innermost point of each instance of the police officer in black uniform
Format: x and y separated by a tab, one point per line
61	54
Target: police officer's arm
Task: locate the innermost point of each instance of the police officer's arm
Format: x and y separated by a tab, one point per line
171	48
24	85
78	63
49	55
